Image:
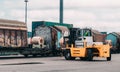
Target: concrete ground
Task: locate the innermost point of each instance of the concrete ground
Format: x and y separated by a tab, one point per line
58	64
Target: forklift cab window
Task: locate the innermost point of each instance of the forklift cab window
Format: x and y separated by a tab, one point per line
79	33
86	32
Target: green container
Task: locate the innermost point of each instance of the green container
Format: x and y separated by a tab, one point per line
46	23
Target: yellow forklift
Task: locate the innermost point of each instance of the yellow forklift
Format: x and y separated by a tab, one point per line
80	44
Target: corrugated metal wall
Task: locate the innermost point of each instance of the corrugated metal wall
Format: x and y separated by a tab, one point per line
13	38
13	33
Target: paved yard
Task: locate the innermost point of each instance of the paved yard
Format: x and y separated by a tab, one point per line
58	64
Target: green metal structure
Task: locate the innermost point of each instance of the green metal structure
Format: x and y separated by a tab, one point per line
47	23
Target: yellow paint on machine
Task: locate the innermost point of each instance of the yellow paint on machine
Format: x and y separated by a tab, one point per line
103	50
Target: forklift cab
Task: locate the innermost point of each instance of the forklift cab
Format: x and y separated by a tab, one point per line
77	37
83	35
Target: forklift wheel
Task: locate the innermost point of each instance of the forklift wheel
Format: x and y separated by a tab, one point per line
109	58
34	55
68	56
25	55
83	58
89	55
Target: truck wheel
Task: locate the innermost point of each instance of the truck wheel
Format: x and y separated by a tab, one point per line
68	56
89	55
109	58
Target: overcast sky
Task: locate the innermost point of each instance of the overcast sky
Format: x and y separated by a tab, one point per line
103	15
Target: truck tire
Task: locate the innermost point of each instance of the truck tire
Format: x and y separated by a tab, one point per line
89	55
68	56
109	58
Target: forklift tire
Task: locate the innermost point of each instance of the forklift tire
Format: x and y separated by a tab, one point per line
109	58
68	56
34	55
83	58
89	55
25	55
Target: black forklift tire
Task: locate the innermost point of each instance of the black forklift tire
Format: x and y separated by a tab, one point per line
34	55
109	58
68	56
25	55
83	58
89	55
